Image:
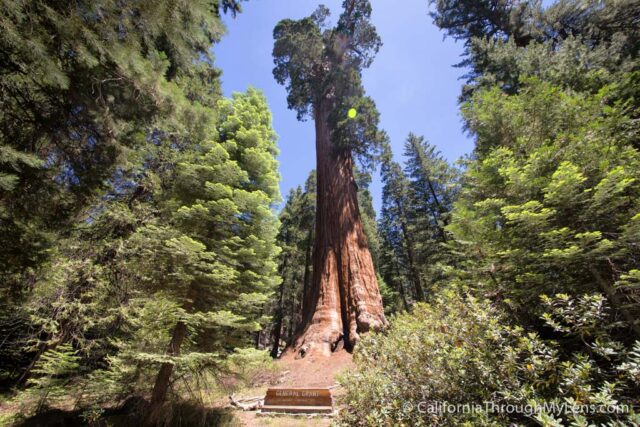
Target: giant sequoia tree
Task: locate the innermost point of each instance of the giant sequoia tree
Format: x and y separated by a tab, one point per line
544	230
321	69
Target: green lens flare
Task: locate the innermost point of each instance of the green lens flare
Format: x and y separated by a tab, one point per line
352	113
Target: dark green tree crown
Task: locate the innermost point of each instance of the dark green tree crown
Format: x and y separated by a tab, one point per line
318	63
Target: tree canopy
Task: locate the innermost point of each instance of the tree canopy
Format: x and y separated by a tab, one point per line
315	62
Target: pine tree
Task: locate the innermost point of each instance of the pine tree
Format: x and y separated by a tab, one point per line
287	239
550	200
398	233
416	208
220	245
88	146
182	254
296	240
81	84
310	215
321	69
540	172
431	192
579	44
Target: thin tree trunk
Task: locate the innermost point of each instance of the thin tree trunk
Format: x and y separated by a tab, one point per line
277	324
616	301
159	393
403	294
258	334
409	246
344	299
292	314
441	212
42	348
305	300
441	209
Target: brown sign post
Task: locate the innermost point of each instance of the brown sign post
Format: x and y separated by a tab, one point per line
298	400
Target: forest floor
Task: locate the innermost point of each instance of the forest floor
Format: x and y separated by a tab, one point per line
307	372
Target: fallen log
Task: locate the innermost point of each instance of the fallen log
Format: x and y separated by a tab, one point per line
246	404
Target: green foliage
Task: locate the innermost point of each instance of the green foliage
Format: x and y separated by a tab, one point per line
54	370
322	66
295	266
462	351
81	84
95	110
175	226
210	264
252	367
433	186
576	43
398	265
547	206
416	205
563	216
136	203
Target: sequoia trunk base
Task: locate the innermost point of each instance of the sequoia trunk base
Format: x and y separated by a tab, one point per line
344	300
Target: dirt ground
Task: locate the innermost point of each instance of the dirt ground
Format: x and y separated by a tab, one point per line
311	371
307	372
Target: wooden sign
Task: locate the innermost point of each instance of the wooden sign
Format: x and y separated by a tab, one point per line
298	400
299	397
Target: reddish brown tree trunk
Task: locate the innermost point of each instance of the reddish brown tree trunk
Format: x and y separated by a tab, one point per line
344	297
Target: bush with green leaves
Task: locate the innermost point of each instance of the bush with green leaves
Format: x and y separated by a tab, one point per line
460	350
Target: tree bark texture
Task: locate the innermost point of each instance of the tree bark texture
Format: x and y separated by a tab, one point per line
163	379
344	299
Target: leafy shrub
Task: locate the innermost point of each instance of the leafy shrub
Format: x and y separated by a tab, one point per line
459	350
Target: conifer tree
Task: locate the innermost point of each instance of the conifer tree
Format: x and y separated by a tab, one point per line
433	187
169	280
321	68
575	43
296	240
544	228
112	115
218	248
81	83
550	202
416	205
397	232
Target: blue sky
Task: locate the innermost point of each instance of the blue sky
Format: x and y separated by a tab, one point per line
412	80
